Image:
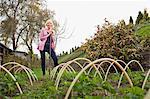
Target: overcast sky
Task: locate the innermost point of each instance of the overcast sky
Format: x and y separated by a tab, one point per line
83	16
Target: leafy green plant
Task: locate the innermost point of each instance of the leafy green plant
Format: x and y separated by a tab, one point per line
107	86
137	78
133	92
7	85
45	89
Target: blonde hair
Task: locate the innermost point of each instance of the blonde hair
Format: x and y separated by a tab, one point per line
49	20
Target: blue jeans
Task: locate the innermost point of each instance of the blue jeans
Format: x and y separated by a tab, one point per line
53	55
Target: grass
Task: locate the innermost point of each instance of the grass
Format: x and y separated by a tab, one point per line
73	55
38	72
143	31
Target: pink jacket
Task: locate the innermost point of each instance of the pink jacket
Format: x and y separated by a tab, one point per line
43	37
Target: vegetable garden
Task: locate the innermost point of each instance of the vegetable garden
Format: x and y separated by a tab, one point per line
82	78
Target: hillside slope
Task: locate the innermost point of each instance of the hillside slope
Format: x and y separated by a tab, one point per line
141	30
77	53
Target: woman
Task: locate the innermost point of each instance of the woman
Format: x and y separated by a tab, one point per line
46	44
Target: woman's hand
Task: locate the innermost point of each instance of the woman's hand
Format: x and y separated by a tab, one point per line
51	32
53	46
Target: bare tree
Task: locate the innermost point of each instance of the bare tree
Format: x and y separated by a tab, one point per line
35	19
13	25
62	32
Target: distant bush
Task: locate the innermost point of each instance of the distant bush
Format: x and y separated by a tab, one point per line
13	58
34	62
114	41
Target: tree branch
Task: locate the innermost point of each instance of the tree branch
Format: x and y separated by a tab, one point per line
20	34
5	11
15	10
